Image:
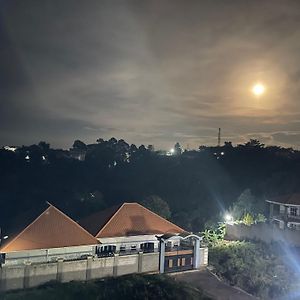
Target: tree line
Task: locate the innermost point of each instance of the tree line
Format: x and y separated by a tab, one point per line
189	187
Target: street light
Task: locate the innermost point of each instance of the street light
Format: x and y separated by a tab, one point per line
228	218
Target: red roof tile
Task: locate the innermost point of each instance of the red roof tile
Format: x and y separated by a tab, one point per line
126	220
52	229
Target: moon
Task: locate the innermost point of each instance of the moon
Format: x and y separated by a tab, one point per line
258	89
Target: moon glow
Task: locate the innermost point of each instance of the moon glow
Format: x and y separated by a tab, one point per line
258	89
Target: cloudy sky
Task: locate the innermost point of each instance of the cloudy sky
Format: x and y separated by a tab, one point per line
151	72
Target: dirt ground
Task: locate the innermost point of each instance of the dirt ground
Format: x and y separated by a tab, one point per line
212	285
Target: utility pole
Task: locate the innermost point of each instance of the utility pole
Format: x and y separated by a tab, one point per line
219	137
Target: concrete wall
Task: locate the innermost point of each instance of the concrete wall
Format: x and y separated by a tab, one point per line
262	232
31	275
48	255
203	257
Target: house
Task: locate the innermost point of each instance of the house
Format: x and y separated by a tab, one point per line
284	211
128	228
124	239
45	233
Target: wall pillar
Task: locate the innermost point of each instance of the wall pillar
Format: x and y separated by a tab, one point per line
140	262
26	274
271	211
162	249
196	259
285	217
203	257
116	262
60	266
2	280
89	262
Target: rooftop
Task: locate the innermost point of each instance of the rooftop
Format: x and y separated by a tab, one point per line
291	199
126	220
50	229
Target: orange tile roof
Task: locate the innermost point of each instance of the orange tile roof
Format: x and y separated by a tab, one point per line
52	229
126	220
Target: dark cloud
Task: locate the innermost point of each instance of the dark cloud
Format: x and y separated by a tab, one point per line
148	71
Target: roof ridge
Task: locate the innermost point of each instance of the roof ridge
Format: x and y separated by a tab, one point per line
159	216
70	219
110	218
29	225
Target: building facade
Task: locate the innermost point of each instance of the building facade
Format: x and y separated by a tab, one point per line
123	239
284	211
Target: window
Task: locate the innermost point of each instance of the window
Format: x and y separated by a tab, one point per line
122	248
133	247
293	211
183	261
170	263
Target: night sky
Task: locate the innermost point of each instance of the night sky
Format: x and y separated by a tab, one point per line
151	72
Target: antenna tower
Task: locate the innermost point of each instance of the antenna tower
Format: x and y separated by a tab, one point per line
219	137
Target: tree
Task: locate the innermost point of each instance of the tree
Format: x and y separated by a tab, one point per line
44	146
157	205
247	204
79	145
254	143
100	141
150	148
177	149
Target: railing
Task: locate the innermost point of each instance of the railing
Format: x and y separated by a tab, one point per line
125	252
178	248
282	216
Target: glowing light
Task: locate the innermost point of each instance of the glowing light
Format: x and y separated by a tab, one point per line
228	218
5	237
258	89
172	150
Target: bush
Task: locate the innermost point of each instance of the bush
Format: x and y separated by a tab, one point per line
255	267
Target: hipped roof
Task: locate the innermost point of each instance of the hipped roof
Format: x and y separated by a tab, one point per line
127	219
51	229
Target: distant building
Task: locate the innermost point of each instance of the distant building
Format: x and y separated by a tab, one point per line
10	148
284	211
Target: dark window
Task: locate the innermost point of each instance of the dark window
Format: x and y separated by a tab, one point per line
293	211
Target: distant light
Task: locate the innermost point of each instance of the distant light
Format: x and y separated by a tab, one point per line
258	89
222	153
172	150
27	157
9	148
228	217
43	157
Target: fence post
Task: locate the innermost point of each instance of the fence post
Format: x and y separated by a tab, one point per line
26	274
116	262
140	262
60	266
89	262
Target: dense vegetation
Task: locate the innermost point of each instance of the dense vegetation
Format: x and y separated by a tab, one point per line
266	271
195	185
133	287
